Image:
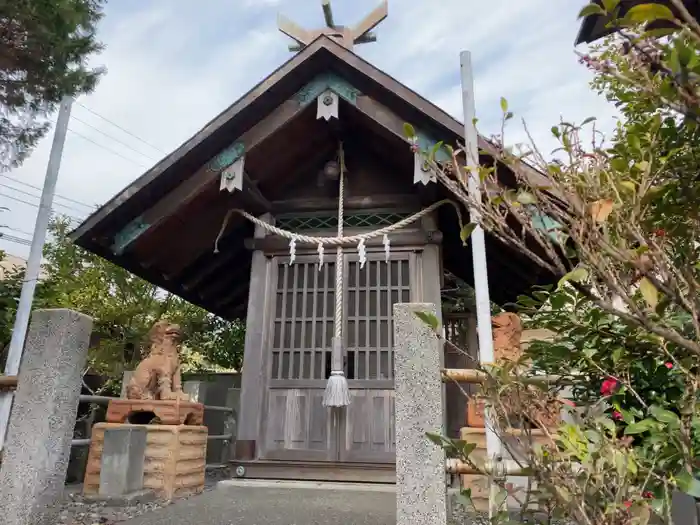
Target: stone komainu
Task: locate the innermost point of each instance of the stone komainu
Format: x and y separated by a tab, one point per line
507	331
158	376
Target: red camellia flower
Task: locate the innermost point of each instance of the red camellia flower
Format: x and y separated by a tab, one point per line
616	415
627	504
668	365
647	494
608	387
660	232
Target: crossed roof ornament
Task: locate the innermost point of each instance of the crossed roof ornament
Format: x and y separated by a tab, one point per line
361	33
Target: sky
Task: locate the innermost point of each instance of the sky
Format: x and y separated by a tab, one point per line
173	65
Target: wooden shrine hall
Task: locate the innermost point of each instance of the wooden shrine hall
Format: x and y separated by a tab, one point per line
278	154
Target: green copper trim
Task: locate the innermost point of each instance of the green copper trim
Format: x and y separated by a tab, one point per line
128	235
325	81
426	143
227	157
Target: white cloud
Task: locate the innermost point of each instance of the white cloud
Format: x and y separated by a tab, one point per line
173	65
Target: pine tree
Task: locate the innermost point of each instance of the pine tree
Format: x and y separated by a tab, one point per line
44	47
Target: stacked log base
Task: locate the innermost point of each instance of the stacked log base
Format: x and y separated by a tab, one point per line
168	412
479	484
174	464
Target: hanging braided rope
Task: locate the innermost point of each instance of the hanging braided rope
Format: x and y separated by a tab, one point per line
337	393
339	240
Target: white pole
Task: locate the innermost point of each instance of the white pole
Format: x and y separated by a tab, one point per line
24	309
478	245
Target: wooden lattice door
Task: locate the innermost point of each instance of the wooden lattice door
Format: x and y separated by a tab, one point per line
297	426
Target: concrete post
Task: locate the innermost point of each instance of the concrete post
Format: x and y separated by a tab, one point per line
35	457
421	493
123	455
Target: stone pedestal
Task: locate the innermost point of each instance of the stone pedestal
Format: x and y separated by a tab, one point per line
174	459
168	412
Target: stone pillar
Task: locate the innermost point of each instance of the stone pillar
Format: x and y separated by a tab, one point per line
421	494
35	458
125	381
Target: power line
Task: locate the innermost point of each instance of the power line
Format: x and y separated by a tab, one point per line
12	238
78	219
106	148
119	127
18	181
38	197
113	138
17	230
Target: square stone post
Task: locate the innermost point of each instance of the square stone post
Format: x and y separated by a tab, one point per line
35	457
421	492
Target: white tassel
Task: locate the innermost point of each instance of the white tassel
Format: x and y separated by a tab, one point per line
387	247
362	252
320	256
292	251
337	393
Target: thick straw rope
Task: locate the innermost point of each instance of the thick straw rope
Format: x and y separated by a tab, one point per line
339	240
338	329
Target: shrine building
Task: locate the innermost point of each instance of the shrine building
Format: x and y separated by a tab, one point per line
324	120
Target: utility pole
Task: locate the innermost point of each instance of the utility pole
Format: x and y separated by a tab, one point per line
494	447
24	309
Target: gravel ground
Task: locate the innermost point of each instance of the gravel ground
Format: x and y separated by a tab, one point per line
77	511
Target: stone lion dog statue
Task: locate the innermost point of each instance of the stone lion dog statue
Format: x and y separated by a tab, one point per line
158	376
507	332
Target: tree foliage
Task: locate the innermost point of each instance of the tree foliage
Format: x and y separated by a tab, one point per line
123	307
617	224
44	47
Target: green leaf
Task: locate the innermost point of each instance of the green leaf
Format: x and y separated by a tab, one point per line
504	104
640	427
610	5
526	198
466	231
577	275
618	164
644	13
435	438
428	318
660	32
587	121
688	484
665	416
556	132
649	292
591	9
408	130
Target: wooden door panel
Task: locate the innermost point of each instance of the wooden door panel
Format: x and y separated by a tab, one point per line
367	432
298	426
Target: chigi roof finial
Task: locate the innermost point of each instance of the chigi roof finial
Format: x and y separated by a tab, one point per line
345	36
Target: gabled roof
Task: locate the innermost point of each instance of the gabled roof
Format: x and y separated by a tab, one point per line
162	226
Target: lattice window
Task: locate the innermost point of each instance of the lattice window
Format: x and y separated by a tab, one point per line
356	220
303	321
371	293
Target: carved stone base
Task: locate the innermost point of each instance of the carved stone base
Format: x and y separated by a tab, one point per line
167	412
174	463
